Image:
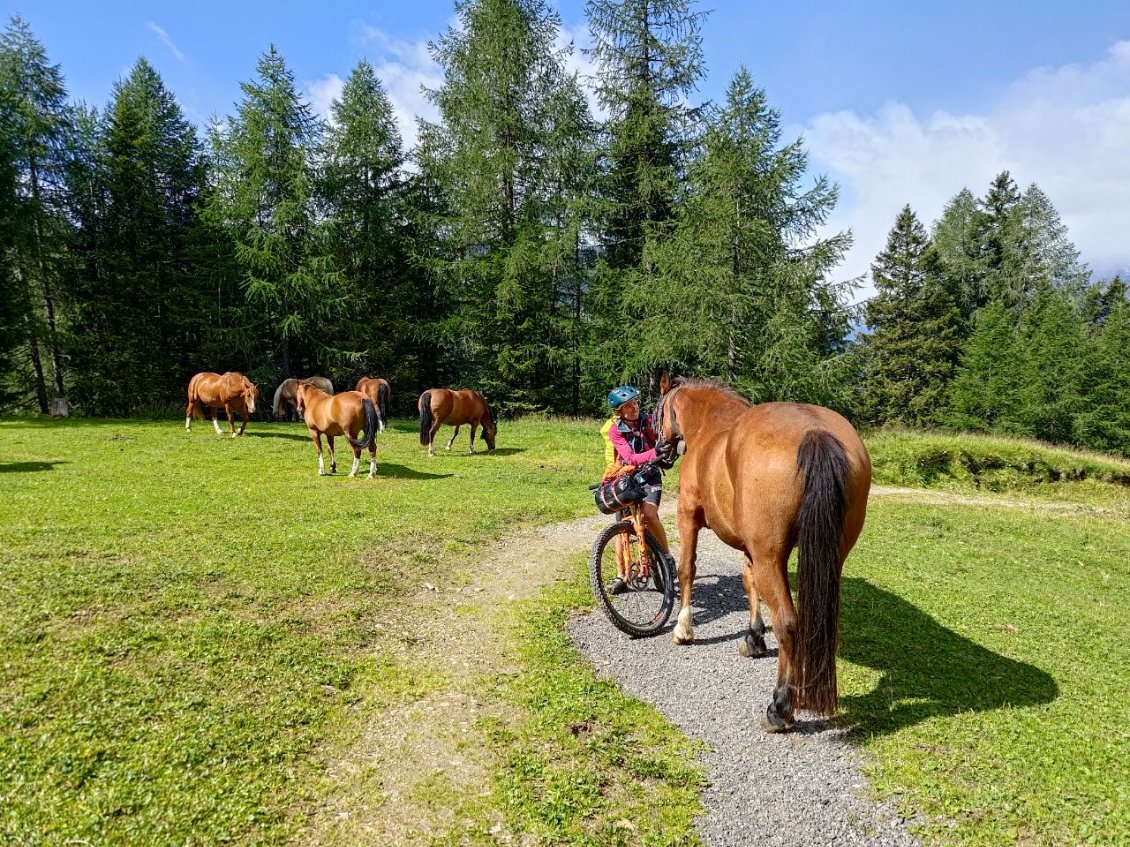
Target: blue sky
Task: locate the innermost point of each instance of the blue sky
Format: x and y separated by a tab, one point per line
897	102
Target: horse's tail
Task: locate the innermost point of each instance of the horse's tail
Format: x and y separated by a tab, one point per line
276	408
370	426
823	462
197	410
425	417
383	400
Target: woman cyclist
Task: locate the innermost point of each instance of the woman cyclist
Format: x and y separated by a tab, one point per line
630	440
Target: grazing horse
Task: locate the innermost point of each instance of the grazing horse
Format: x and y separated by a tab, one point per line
765	479
229	391
286	395
339	414
380	392
442	405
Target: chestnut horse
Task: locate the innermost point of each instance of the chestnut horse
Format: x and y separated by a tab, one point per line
380	392
339	414
230	391
766	479
442	405
286	395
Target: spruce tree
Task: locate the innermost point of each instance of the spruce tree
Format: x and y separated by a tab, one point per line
912	346
984	395
264	198
1105	422
491	160
139	317
737	293
363	190
40	125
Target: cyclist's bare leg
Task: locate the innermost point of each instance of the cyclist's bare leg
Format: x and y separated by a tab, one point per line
688	550
654	525
452	441
753	645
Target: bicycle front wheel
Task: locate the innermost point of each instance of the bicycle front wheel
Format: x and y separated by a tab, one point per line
637	592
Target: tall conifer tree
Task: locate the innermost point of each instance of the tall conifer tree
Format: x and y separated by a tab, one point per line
40	128
913	343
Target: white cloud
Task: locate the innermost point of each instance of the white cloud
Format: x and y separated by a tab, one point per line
322	92
163	36
1064	129
405	68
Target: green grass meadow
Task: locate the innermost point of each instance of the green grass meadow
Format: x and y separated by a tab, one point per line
187	636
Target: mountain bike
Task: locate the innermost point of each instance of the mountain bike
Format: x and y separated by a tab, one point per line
641	602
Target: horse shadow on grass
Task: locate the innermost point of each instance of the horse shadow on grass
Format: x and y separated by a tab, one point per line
926	670
401	472
29	467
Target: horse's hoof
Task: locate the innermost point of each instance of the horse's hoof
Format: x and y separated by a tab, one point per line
769	725
752	648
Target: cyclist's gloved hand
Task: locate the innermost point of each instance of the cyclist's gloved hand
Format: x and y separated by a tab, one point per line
665	456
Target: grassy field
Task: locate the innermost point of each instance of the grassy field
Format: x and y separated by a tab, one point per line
188	638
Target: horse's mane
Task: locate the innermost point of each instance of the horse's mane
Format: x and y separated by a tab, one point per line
713	384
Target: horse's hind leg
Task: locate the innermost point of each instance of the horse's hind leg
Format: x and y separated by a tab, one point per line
356	460
753	645
333	455
373	459
432	435
769	572
452	439
188	415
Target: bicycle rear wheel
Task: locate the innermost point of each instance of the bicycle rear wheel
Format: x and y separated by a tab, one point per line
648	595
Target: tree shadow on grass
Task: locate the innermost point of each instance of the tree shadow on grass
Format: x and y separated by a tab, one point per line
927	670
28	467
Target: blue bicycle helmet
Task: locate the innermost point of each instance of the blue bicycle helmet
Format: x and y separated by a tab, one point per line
617	397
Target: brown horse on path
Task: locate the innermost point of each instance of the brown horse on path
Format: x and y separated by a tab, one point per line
380	392
339	414
442	405
230	391
286	395
765	479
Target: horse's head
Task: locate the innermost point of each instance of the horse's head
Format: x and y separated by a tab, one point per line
669	437
490	426
250	394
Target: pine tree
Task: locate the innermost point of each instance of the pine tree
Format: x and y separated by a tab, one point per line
1105	422
40	127
264	198
955	239
13	300
912	347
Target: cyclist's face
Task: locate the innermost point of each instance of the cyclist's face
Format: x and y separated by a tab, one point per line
630	411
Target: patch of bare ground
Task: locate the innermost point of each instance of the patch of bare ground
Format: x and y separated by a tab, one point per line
419	770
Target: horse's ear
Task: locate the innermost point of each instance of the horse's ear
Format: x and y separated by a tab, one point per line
664	383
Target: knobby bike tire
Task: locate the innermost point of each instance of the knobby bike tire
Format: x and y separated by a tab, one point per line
663	577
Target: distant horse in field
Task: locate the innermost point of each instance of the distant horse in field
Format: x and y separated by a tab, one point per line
339	414
766	479
286	395
230	391
442	405
380	392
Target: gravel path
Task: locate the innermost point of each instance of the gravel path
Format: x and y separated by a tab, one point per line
800	788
